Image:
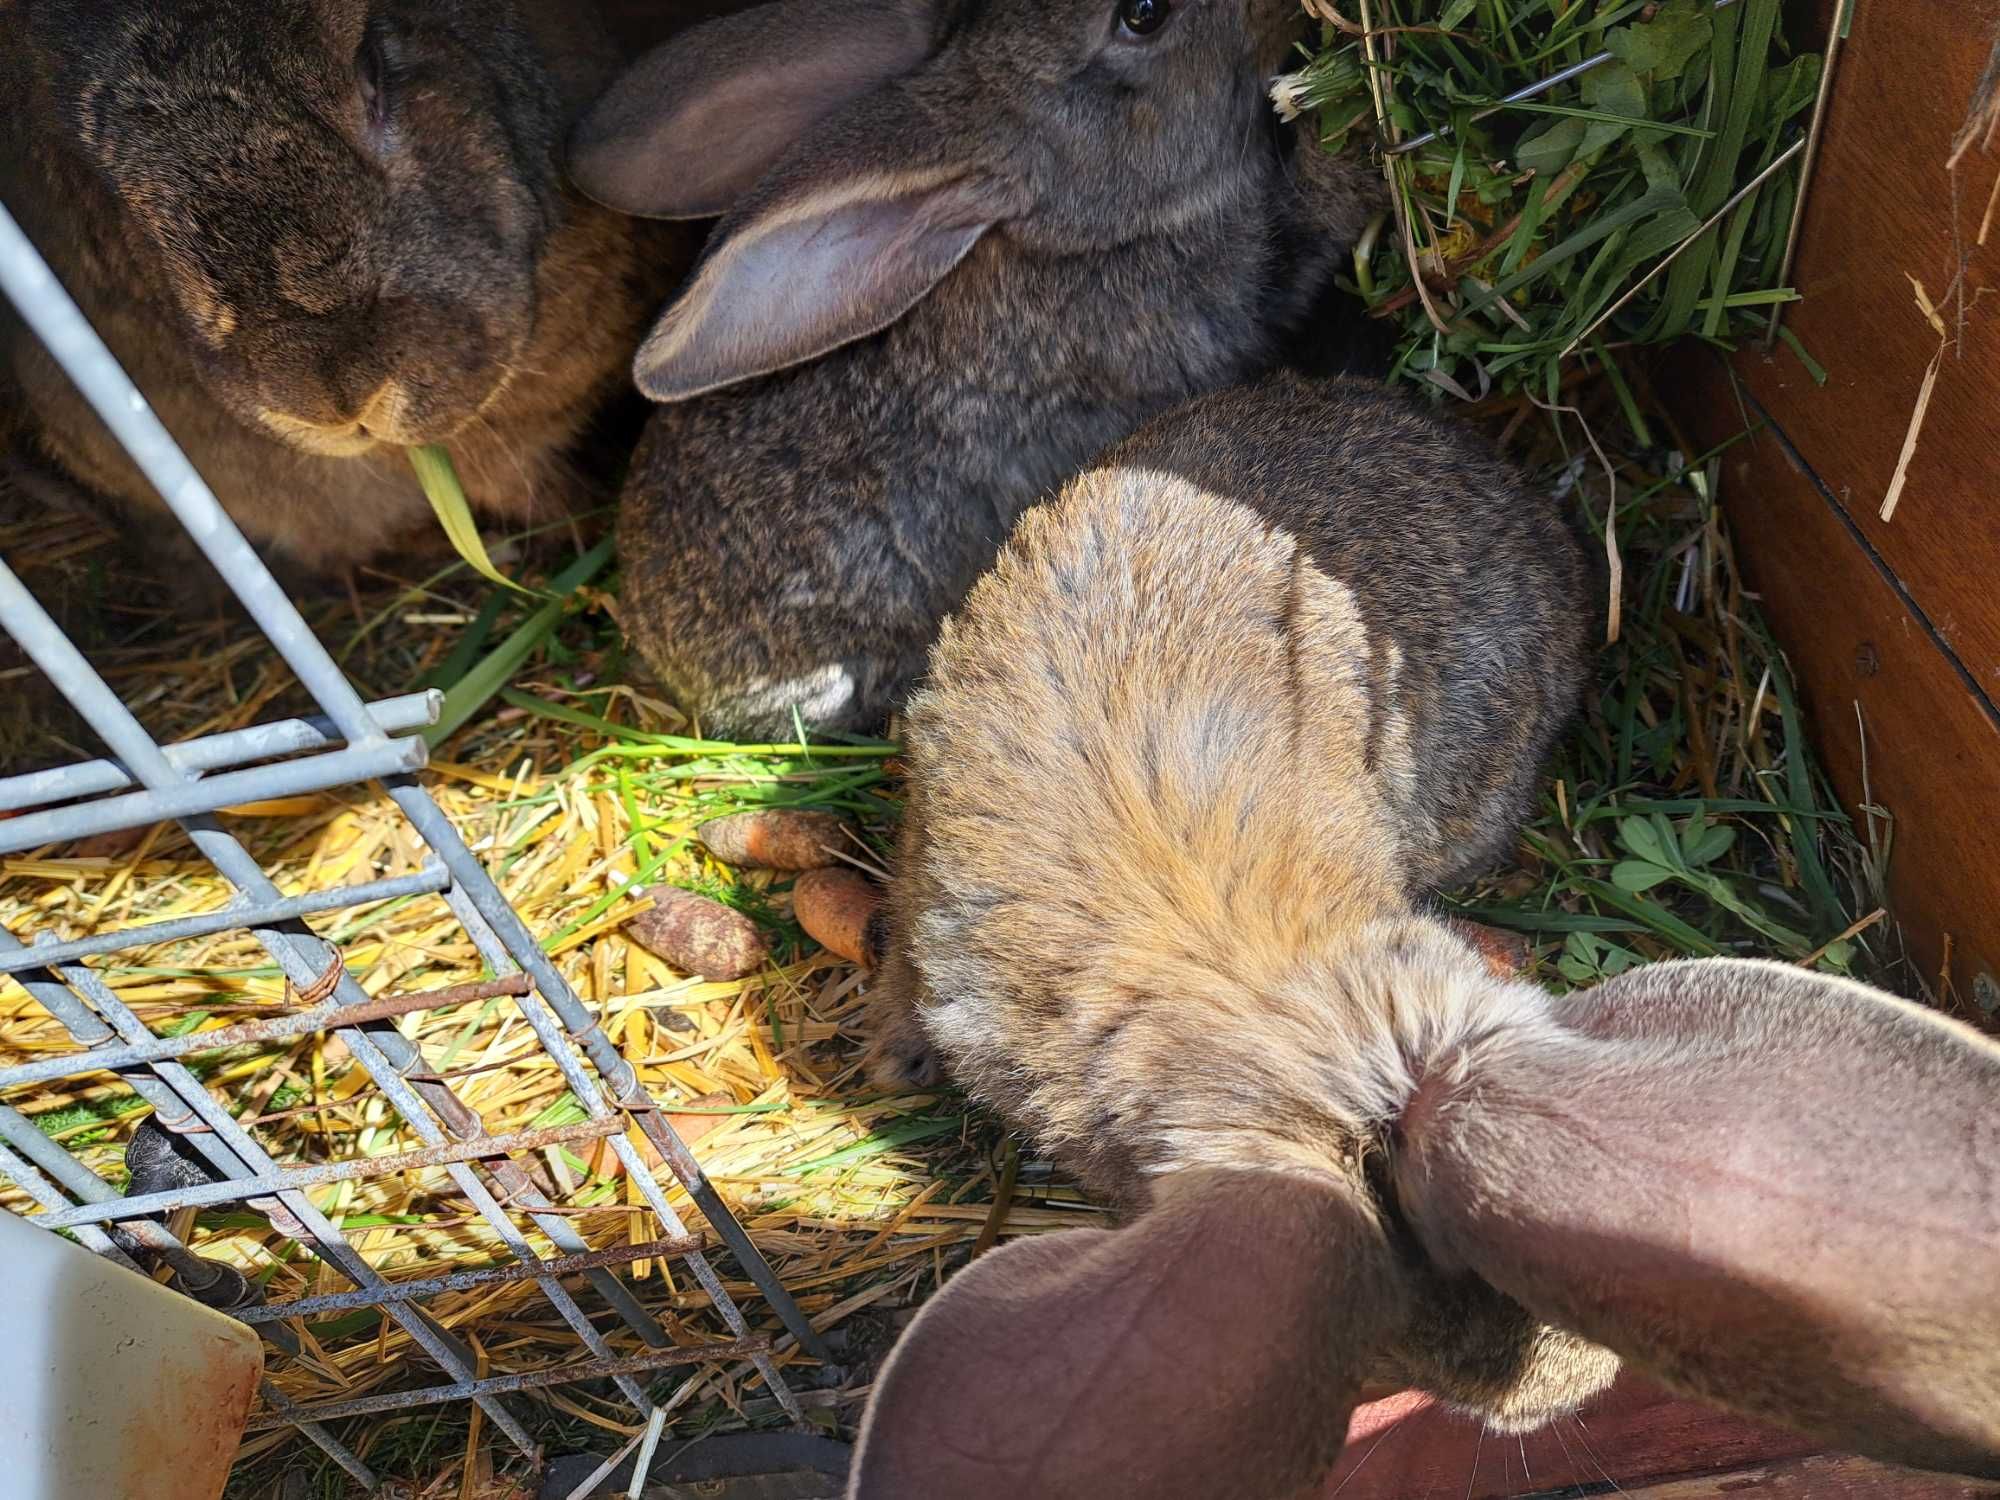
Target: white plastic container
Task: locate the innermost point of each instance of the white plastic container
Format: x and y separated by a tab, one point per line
112	1388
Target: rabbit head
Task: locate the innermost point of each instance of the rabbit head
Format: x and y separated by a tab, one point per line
343	202
1177	766
314	235
977	113
968	244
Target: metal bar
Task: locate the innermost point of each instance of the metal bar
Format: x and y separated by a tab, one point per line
585	1090
176	1093
275	1029
385	1053
445	841
534	1380
428	881
467	1125
461	1281
44	1192
1777	165
62	327
128	740
619	1076
288	1178
215	752
304	959
1538	87
88	1027
291	778
60	324
69	337
471	910
328	1444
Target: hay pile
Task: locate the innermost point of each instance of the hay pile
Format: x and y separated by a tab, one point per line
1685	817
858	1200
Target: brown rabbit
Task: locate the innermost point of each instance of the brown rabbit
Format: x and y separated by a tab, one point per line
316	234
1182	763
971	242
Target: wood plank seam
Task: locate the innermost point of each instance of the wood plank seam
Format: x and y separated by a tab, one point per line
1875	558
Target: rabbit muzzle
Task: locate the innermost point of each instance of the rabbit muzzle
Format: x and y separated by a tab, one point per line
421	378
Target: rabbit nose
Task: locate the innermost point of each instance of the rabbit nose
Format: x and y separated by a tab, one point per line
429	374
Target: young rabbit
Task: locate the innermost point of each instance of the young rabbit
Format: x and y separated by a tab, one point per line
316	234
1010	231
1181	762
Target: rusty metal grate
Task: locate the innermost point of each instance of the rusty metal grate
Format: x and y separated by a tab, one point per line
350	742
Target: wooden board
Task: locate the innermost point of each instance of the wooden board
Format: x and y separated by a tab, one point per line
1868	665
1636	1439
1884	213
1900	618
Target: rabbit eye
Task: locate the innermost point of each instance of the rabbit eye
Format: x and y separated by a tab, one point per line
372	71
1142	18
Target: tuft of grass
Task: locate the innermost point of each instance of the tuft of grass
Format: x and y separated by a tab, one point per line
1686	816
1616	206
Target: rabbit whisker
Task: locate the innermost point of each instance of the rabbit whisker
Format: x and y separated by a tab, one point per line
510	451
1569	1454
1583	1436
1393	1427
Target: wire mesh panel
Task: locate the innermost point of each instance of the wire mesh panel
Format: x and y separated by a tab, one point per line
497	1179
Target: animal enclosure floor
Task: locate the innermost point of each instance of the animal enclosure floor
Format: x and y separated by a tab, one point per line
1684	817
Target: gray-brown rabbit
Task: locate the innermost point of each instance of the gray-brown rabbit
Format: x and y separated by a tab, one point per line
1182	762
1009	231
315	234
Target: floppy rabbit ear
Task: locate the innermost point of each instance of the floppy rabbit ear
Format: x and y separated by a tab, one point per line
817	262
692	126
1773	1189
1210	1351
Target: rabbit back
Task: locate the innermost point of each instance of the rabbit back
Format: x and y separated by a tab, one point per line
1200	724
1473	591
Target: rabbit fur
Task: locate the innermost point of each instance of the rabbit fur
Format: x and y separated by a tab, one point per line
969	243
315	235
1182	766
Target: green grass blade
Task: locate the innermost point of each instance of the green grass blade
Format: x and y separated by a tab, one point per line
454	512
477	687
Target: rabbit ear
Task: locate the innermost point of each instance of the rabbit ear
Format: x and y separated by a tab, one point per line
1770	1188
1210	1351
692	126
817	263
